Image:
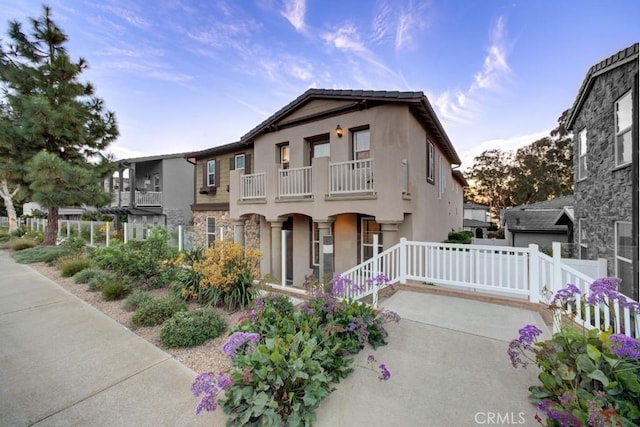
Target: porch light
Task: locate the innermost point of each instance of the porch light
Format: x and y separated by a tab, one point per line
339	131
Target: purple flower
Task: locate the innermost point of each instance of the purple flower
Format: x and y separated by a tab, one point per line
566	295
371	359
624	346
237	339
567	399
340	285
600	289
252	316
202	384
208	403
388	316
384	373
528	335
596	419
554	412
224	381
350	327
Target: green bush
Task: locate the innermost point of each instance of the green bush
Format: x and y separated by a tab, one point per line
115	290
22	244
85	275
136	299
101	279
463	237
18	232
156	311
46	254
71	266
191	328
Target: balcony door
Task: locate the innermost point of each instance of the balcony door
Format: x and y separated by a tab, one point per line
318	147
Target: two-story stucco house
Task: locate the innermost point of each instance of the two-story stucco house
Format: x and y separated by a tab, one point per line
211	220
604	121
334	168
154	190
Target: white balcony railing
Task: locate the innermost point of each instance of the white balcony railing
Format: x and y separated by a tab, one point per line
351	177
253	186
143	198
295	182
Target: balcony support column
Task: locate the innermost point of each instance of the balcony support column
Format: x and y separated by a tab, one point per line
238	232
389	234
276	250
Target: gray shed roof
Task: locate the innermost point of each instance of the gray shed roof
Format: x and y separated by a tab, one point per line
538	217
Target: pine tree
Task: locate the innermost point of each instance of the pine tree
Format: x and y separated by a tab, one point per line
48	109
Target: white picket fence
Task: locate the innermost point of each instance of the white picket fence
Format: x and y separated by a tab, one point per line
524	273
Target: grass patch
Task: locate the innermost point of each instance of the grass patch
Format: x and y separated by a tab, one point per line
191	328
69	267
115	290
46	254
85	275
101	279
22	244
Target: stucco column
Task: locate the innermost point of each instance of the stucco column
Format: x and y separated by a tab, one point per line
389	234
324	229
276	250
238	232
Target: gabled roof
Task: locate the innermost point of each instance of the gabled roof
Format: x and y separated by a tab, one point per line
214	151
538	217
361	99
468	205
475	223
624	56
150	158
459	176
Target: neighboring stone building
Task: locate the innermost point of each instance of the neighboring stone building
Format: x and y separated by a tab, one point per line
210	209
604	121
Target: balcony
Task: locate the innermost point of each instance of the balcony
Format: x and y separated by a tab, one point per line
142	198
345	178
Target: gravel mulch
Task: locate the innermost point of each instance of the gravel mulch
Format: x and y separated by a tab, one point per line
203	358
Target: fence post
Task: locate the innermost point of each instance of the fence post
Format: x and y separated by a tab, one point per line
557	267
404	261
180	242
375	272
91	224
106	237
125	230
534	273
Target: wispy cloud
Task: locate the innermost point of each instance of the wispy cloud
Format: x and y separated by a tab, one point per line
504	144
463	106
132	52
127	15
294	11
398	22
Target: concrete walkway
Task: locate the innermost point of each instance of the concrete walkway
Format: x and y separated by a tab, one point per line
64	363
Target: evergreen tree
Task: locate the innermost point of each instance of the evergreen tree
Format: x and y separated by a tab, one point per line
48	109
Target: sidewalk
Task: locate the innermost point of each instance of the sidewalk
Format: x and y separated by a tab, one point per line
65	363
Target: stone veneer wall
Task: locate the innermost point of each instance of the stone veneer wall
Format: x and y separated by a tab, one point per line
605	196
251	228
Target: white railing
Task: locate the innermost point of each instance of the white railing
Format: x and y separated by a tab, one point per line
294	182
253	186
148	198
351	177
525	273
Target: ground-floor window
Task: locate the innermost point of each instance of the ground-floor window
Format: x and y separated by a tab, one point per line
211	230
315	243
624	252
369	228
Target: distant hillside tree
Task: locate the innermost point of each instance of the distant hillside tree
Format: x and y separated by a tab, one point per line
489	181
46	108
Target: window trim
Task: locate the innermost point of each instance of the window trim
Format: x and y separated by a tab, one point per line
362	237
621	132
208	233
354	151
210	173
431	163
583	174
235	162
618	257
281	147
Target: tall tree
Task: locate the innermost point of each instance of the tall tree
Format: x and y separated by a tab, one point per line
489	180
47	108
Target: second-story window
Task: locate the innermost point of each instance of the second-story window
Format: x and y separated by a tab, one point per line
431	163
361	144
284	156
239	162
211	173
624	124
582	154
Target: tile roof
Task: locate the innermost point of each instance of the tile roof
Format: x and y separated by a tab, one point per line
419	103
622	57
469	205
220	149
466	222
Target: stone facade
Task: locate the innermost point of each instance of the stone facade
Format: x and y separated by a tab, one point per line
226	225
605	195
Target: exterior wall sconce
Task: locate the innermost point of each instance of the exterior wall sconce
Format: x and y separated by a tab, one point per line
339	131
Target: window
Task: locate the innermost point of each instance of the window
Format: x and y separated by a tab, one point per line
156	182
624	252
284	156
315	244
623	129
430	162
582	239
239	162
320	149
361	144
211	173
582	154
369	227
211	230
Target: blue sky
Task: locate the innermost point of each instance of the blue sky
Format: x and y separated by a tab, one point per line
188	75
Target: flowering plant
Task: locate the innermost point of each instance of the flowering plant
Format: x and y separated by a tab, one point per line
588	377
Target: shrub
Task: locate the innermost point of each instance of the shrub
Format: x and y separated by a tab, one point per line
228	271
463	237
191	328
115	290
85	275
46	254
136	299
101	279
156	311
71	266
22	244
